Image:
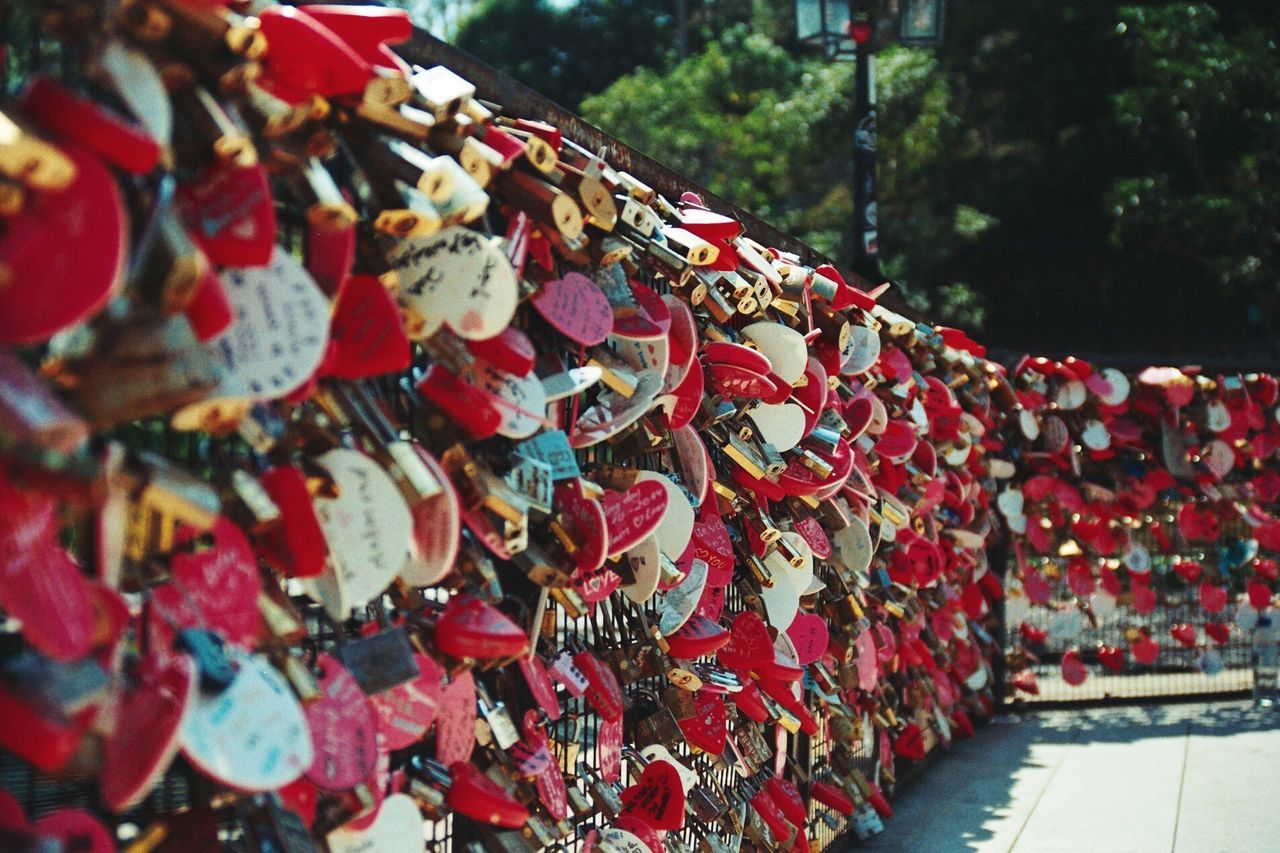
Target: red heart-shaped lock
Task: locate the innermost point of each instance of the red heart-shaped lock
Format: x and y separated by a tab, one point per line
708	728
732	380
699	636
1184	634
750	701
1110	581
62	254
343	730
750	645
1032	634
585	520
1220	632
1074	672
576	308
1145	650
810	636
814	536
145	739
58	109
406	711
1198	523
910	743
510	351
657	797
788	799
1080	578
77	830
470	407
712	545
1144	600
456	720
1112	657
1212	598
633	515
1036	587
603	691
1259	594
330	254
540	685
832	797
961	724
366	334
307	58
596	585
475	795
471	627
368	30
296	546
773	817
1188	570
215	588
230	213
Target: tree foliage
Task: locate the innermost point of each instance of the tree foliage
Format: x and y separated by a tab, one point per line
1077	174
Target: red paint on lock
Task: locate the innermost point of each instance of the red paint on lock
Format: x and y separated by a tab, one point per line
366	334
230	213
56	108
603	692
657	797
471	627
478	797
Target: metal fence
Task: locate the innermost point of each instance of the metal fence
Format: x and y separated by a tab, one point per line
1208	668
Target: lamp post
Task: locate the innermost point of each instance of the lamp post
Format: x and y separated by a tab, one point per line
855	30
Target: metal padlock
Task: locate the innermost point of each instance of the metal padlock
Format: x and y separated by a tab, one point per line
657	724
500	723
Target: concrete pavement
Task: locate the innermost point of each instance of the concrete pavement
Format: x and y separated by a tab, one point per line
1188	778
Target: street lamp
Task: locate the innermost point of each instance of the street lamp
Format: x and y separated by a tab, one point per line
855	30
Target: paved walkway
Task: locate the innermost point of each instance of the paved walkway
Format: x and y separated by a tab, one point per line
1187	778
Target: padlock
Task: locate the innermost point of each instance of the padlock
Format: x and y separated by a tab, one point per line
501	726
655	722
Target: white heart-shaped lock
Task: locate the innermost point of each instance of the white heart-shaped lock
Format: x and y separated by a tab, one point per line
1066	624
1217	416
252	736
861	351
1218	457
1095	435
456	276
676	528
573	381
139	85
782	425
398	827
1119	387
783	346
1071	395
281	331
852	546
1029	424
1010	502
650	354
645	562
522	400
678	603
368	528
1103	603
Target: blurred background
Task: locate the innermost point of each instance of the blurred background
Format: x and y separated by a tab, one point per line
1089	177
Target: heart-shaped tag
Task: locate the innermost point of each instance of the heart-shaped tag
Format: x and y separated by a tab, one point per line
522	401
281	329
230	213
456	720
814	536
296	546
782	425
678	604
404	713
576	308
253	735
367	334
1212	598
342	729
686	397
330	254
1259	594
596	585
633	515
586	521
458	277
645	563
810	636
368	527
41	585
471	627
540	685
77	830
216	588
712	545
784	347
1144	600
1037	588
1198	523
750	645
609	749
1074	672
1219	632
657	797
62	254
149	718
612	412
708	728
1184	634
398	827
1112	657
437	529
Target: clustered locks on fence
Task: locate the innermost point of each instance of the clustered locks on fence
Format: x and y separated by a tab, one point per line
379	469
